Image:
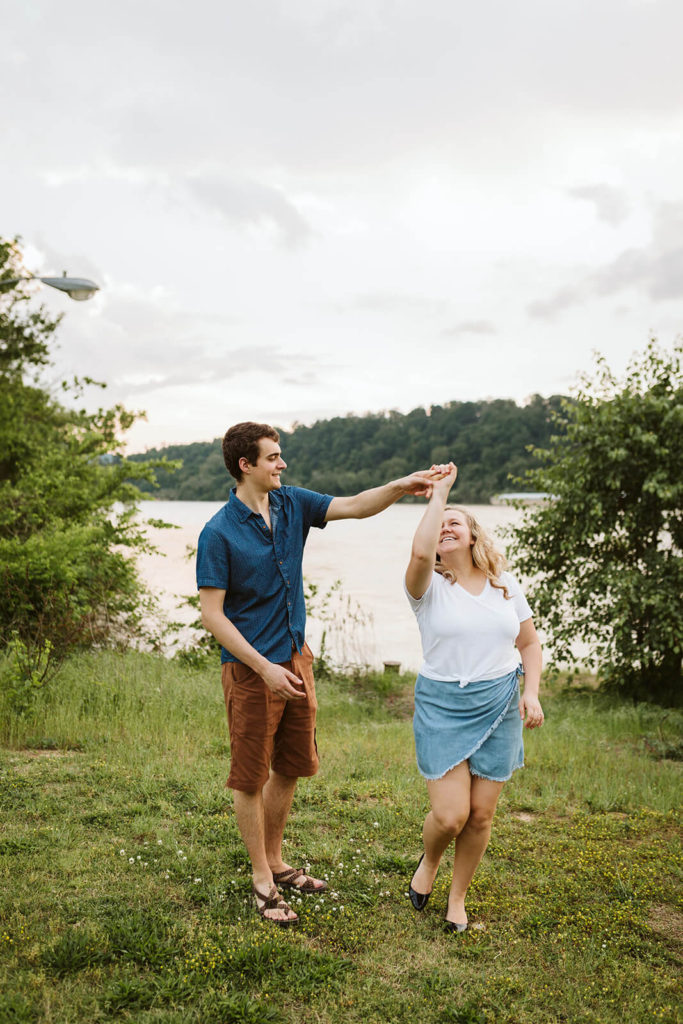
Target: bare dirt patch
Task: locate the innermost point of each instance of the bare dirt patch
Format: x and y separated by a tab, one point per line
23	760
668	922
48	752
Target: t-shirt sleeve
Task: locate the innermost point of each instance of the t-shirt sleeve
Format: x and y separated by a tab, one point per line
519	601
419	603
213	569
313	505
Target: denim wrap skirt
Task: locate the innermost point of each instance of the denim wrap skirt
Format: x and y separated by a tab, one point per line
478	723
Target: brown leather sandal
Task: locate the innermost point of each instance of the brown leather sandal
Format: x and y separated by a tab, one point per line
273	901
288	880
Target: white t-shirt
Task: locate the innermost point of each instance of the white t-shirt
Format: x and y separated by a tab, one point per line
467	637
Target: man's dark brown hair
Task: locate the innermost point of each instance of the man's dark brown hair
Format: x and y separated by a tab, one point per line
242	442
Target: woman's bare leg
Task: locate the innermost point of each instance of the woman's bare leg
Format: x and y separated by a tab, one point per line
450	808
471	843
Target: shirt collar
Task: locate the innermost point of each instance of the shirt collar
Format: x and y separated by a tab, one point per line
243	511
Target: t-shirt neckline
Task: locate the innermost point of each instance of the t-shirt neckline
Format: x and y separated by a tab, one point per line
476	597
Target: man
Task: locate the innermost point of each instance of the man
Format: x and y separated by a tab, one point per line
249	575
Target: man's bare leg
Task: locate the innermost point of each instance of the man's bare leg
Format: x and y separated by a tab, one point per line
249	811
278	794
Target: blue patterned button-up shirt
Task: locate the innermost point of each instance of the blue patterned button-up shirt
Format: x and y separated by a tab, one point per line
260	569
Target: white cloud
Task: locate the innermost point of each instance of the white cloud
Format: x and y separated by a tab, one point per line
479	327
655	269
611	205
250	202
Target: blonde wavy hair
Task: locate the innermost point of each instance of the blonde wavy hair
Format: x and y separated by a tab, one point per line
485	555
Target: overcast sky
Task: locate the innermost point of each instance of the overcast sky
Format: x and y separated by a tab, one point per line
301	208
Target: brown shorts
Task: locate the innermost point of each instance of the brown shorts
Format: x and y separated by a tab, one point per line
267	731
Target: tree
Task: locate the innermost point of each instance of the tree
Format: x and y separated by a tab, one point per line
604	551
67	508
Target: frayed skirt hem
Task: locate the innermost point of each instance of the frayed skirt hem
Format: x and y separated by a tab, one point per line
480	775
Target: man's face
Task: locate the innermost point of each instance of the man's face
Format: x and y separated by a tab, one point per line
266	473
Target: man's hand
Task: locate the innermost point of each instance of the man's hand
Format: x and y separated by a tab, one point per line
283	683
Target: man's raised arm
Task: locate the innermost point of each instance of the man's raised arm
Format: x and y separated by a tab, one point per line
369	503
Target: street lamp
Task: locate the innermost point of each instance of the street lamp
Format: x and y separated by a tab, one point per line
78	288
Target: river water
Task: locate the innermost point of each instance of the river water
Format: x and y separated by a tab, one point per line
366	619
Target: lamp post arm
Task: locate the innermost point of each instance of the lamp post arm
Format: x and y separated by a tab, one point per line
78	288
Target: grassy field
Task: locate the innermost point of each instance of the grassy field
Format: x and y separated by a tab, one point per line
125	889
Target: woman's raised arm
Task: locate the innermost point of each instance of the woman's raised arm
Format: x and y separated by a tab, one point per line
423	554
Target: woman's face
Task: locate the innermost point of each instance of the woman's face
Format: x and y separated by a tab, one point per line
455	533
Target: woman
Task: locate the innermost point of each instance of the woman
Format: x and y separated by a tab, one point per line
468	710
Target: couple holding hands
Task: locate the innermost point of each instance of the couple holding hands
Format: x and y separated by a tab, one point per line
473	619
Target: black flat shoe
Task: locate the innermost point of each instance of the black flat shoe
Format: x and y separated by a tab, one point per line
418	899
453	926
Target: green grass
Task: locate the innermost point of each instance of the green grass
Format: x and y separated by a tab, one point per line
124	888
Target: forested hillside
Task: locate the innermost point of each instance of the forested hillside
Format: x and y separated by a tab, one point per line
487	440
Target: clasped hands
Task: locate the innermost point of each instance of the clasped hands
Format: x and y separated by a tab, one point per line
426	482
